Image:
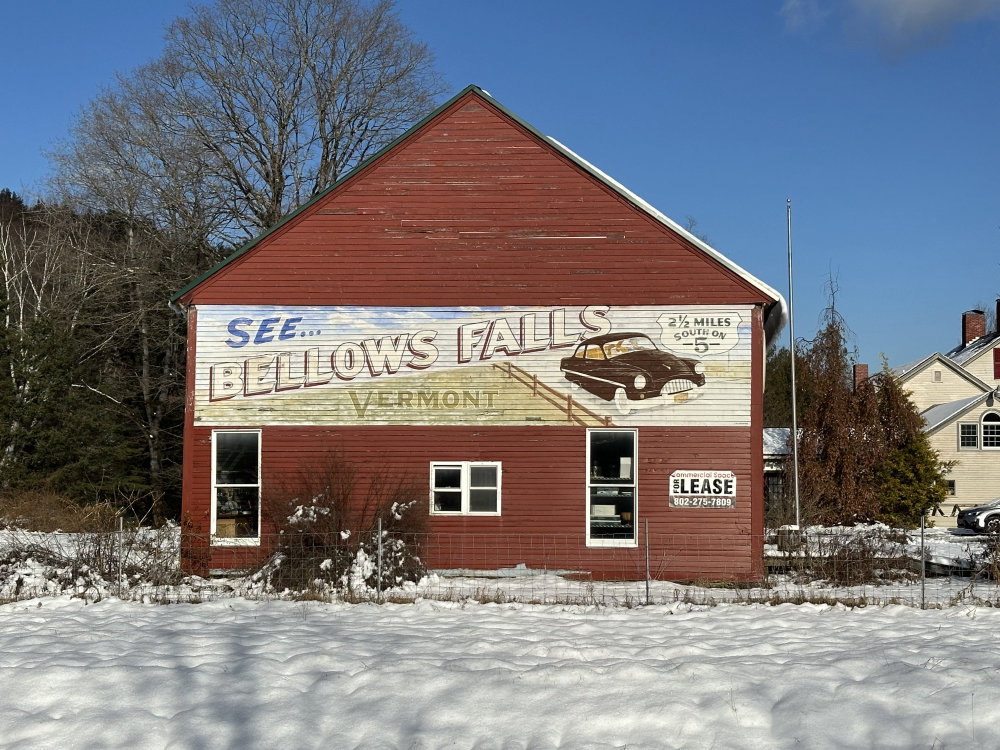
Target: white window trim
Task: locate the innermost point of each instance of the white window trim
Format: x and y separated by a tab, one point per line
465	482
634	541
968	447
982	431
225	541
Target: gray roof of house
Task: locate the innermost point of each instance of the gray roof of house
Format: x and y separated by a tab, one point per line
940	414
965	354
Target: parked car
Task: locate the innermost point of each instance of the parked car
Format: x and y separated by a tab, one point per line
985	518
627	367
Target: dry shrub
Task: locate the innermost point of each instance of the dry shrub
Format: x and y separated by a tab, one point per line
42	510
327	516
863	556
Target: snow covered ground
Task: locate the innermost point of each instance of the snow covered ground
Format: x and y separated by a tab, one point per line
475	661
266	674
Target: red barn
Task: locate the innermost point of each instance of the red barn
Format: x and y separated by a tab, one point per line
575	379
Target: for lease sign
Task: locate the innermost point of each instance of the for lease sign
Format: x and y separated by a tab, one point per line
702	489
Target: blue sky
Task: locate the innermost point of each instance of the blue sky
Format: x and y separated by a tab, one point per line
879	119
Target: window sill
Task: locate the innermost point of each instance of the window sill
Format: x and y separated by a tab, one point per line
230	541
628	543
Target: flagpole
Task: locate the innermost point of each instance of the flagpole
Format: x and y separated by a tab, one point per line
791	349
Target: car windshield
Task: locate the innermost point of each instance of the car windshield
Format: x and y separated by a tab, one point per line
626	346
991	504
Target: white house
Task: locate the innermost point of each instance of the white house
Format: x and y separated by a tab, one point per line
956	393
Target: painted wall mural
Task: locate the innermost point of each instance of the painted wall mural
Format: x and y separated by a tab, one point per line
588	365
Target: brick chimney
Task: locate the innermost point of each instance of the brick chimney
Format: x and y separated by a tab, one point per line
860	376
973	326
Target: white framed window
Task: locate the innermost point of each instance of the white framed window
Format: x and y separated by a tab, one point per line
468	488
991	430
235	487
968	436
612	457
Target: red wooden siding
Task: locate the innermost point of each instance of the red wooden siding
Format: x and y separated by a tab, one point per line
474	210
544	493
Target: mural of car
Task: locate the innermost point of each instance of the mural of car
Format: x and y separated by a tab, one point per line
627	367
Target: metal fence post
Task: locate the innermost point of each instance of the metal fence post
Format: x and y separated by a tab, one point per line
378	585
923	566
121	538
646	523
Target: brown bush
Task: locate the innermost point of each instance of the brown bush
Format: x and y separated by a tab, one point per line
42	510
327	517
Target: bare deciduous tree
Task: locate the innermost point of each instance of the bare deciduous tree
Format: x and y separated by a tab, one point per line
254	107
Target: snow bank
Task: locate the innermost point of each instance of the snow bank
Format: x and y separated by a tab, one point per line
430	675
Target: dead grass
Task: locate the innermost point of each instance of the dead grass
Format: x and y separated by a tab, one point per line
42	510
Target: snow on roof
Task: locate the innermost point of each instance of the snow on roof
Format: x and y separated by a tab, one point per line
962	355
941	414
776	441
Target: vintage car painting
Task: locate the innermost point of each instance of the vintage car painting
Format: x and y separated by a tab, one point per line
628	368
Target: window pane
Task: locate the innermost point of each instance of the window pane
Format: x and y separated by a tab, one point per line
236	511
483	501
969	435
448	501
611	456
483	476
991	436
236	457
448	476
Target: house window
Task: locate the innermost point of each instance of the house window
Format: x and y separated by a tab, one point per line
951	487
991	430
937	376
236	486
611	488
465	488
996	363
968	436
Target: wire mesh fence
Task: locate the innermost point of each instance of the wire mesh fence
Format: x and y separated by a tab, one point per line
858	566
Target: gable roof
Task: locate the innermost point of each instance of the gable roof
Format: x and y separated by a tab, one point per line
912	369
775	314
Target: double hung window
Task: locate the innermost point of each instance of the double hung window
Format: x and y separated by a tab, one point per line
465	488
235	486
968	436
611	488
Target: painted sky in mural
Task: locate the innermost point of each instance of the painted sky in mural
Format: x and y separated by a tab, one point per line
590	364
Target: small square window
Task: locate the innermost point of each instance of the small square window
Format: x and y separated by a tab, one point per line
465	488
